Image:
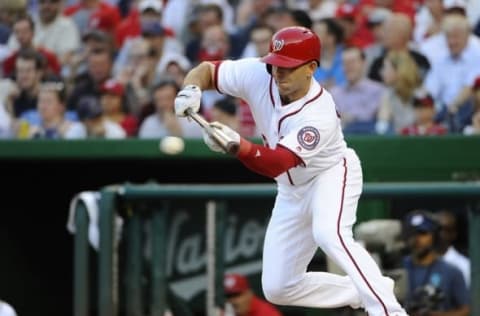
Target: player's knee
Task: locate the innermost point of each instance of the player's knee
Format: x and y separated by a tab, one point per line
277	293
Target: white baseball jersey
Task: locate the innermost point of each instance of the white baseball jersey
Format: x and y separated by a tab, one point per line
316	202
309	127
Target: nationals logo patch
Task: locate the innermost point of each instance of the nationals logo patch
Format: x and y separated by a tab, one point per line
308	137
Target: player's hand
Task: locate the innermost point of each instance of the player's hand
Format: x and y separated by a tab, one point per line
212	144
188	98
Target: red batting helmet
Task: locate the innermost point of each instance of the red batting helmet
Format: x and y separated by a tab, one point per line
293	46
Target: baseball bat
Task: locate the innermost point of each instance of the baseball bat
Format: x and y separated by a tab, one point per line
225	142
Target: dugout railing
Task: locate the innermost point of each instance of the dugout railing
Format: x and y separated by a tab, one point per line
156	199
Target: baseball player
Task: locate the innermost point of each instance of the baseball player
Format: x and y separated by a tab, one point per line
319	179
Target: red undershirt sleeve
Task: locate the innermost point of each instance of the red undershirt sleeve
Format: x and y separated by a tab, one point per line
266	161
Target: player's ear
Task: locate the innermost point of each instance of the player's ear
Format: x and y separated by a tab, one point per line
312	66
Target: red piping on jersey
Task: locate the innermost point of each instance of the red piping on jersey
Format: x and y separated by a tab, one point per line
216	64
270	90
290	178
345	246
295	112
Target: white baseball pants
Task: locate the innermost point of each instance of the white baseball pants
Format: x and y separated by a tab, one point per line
321	214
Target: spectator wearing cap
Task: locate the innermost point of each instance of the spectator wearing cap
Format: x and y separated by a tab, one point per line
141	11
51	109
431	280
349	18
400	25
114	107
359	99
97	124
174	66
474	127
452	76
94	14
163	122
242	301
225	111
425	124
330	71
374	23
23	34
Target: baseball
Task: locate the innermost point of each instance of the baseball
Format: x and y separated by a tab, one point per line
171	145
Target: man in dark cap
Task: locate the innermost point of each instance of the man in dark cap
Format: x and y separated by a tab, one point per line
434	286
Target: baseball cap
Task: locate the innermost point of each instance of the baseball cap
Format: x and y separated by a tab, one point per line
155	5
235	284
346	11
423	99
420	221
88	107
112	86
455	6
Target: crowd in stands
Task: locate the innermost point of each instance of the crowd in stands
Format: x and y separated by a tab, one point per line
111	68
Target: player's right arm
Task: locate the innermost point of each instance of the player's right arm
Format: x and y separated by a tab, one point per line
201	76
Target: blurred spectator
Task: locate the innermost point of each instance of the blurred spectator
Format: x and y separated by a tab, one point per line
141	11
401	26
51	110
359	99
207	16
97	125
9	12
279	17
54	31
435	47
23	32
99	69
242	301
348	16
330	71
401	77
474	127
29	71
451	77
448	236
174	66
250	12
435	287
428	20
424	117
259	41
114	107
163	122
6	309
77	65
374	23
94	14
225	112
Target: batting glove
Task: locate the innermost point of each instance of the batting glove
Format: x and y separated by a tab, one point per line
212	144
188	98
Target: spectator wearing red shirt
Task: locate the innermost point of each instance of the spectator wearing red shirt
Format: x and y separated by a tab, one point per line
94	14
351	21
23	31
424	117
145	11
114	107
243	301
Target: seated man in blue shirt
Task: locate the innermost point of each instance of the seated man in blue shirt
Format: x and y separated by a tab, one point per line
435	288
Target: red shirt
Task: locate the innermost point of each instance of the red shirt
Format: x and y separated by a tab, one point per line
53	65
130	125
260	307
415	130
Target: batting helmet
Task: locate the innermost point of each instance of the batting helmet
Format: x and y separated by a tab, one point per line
293	46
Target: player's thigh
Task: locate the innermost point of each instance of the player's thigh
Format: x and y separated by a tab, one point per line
289	245
334	202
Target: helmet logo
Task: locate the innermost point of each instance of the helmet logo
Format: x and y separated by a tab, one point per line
278	45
